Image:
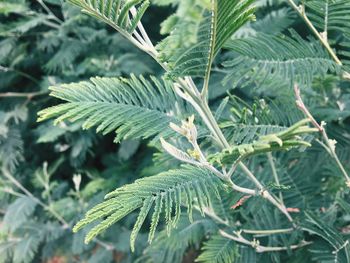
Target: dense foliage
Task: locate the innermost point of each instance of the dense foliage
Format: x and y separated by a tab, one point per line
230	122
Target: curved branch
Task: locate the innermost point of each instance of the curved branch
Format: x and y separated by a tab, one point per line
256	244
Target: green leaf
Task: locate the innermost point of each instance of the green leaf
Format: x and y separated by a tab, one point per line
172	248
134	107
19	212
338	247
26	249
281	58
345	52
116	13
332	15
11	149
160	190
223	18
218	250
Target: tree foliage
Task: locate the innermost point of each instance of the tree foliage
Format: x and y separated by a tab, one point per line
230	121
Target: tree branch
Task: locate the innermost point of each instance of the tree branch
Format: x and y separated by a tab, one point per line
28	95
6	69
329	143
48	10
193	96
274	173
13	180
256	244
301	11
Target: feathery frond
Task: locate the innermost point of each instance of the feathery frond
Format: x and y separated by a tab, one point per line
337	248
332	18
171	249
218	249
291	59
134	108
223	18
11	149
21	210
116	13
345	51
26	249
329	15
164	192
273	23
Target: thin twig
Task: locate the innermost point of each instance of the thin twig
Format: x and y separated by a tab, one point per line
326	11
256	244
11	191
51	24
266	194
267	232
13	180
304	109
329	143
301	11
103	244
6	69
48	10
142	29
274	173
242	189
209	212
65	224
28	95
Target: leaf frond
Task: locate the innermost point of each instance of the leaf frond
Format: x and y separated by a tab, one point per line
220	21
167	191
134	107
116	13
218	250
265	57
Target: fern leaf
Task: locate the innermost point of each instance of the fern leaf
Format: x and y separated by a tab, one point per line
172	248
265	116
218	24
277	57
134	108
116	13
160	190
218	250
19	212
338	247
155	218
333	19
345	51
140	219
273	23
11	149
329	15
302	178
26	249
66	55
